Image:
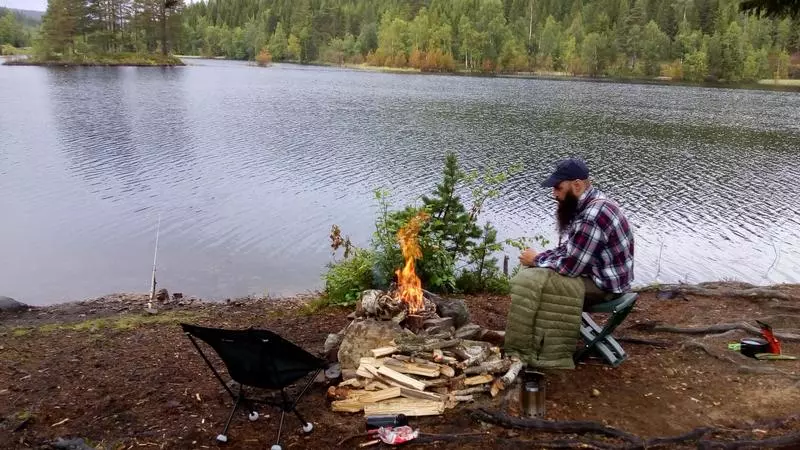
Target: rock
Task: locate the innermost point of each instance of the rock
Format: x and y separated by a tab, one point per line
595	393
361	336
71	444
177	295
162	295
9	304
333	371
455	308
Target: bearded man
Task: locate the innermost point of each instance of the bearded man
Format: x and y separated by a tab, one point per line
599	241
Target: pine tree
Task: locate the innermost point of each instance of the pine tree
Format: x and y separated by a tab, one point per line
449	217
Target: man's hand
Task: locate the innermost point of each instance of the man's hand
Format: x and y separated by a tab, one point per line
527	257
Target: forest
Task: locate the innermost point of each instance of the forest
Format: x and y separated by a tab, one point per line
693	40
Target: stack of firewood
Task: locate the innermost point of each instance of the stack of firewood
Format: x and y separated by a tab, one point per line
424	374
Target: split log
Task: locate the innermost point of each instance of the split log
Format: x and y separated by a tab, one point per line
479	379
447	371
398	377
383	351
363	372
472	390
489	367
375	385
438	382
475	360
407	406
413	369
463	398
497	386
720	328
422	395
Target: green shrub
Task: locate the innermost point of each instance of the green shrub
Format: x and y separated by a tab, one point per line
346	279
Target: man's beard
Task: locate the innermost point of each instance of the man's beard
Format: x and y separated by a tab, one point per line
566	212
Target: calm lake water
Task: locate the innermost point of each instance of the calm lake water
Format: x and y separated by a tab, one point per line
249	167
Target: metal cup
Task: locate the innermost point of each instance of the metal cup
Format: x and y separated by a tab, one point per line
533	394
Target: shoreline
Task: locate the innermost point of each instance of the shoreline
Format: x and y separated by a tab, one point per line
108	373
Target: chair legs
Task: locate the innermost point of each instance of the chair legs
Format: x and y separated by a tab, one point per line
240	398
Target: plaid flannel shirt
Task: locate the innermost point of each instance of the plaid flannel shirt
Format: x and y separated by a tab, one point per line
599	245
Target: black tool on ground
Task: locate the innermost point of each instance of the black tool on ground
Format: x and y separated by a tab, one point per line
261	359
751	346
390	420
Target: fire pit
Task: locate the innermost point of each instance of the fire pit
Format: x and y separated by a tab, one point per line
410	352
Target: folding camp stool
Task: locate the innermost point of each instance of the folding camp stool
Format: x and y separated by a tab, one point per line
258	358
598	341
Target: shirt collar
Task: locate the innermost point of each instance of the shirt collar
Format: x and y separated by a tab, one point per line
587	196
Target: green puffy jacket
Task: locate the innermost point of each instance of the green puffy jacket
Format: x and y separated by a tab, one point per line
544	319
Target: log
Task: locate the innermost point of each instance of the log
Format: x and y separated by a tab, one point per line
468	331
375	385
438	382
463	398
352	382
338	393
377	396
438	355
438	322
490	367
422	395
398	377
477	359
512	373
348	374
472	390
407	406
497	386
410	348
383	351
414	322
493	336
363	372
447	371
348	405
479	379
413	369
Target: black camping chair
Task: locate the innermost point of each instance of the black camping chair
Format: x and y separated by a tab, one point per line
262	359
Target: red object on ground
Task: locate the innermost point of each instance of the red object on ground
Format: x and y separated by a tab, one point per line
774	343
397	435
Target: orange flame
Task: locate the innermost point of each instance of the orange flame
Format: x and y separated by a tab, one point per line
409	285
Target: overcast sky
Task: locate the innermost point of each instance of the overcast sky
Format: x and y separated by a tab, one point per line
35	5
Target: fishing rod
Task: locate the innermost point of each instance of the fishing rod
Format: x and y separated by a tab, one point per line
155	258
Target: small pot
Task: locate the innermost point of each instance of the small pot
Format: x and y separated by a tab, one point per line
752	346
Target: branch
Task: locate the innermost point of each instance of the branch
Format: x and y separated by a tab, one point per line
580	427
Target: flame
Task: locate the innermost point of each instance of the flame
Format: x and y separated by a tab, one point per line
409	285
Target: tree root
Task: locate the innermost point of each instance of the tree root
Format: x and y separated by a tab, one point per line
709	290
721	328
633	340
699	435
577	427
503	442
742	368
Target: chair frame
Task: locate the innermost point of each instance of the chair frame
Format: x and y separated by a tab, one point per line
285	404
599	340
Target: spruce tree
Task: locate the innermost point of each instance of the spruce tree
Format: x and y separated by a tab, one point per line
449	218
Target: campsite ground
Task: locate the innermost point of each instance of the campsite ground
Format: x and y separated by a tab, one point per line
108	373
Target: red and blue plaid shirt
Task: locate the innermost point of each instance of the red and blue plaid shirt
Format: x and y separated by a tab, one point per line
599	245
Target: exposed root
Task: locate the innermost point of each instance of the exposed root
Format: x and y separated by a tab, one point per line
720	328
711	290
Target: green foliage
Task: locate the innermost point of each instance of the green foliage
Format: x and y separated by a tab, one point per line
345	279
450	236
591	37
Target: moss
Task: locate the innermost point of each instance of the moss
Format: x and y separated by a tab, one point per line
21	331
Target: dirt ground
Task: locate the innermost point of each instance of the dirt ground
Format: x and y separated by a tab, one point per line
108	373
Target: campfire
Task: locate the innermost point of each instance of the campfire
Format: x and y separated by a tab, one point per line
411	352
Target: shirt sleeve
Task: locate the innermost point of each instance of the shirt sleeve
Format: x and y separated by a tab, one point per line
572	258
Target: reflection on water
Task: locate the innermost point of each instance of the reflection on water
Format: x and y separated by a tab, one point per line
249	167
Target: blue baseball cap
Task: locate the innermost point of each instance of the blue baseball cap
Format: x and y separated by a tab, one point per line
567	169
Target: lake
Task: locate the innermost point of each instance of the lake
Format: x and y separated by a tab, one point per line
249	167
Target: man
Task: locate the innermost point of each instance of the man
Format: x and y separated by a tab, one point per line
599	244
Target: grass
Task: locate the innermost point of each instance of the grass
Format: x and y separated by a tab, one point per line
123	322
780	82
104	59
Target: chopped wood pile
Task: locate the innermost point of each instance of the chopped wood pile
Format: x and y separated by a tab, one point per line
425	373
